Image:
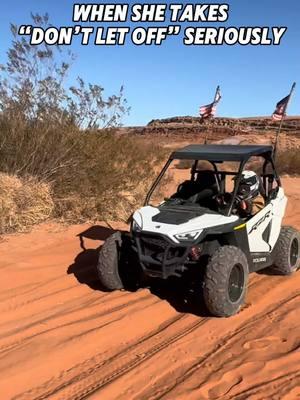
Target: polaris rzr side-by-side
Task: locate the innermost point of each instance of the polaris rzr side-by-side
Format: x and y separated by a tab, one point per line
207	225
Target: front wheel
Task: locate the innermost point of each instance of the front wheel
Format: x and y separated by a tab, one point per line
287	251
109	263
225	281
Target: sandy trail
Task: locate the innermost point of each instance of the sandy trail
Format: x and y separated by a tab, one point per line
61	337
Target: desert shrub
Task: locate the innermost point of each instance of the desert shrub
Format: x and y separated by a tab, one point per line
23	203
288	161
35	148
184	164
109	179
187	164
51	132
92	175
33	86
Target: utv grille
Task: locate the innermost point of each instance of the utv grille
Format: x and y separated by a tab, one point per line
160	249
158	256
153	247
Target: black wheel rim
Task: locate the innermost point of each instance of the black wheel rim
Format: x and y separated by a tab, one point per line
294	252
236	283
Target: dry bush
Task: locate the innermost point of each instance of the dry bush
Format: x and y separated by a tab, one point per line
288	162
23	203
187	164
111	178
35	148
49	131
184	164
92	175
34	84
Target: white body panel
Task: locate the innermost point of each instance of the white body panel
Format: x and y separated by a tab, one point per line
143	218
255	229
271	214
279	206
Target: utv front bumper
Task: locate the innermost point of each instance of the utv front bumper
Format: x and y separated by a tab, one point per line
158	256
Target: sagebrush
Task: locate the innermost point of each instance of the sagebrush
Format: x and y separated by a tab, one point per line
92	175
51	143
34	85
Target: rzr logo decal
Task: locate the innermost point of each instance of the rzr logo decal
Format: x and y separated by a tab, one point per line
255	226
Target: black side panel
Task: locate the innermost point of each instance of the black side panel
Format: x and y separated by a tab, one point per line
261	260
267	232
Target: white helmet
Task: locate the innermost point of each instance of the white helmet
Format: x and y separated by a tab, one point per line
249	185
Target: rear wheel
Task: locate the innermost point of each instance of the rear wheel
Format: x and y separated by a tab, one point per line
287	251
225	281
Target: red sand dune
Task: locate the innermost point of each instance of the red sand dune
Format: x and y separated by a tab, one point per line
62	337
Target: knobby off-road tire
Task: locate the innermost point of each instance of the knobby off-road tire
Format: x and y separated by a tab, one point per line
108	266
225	281
287	252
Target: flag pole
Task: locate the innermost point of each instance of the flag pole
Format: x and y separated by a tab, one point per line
215	98
282	119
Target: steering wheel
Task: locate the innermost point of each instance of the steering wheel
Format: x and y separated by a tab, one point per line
223	200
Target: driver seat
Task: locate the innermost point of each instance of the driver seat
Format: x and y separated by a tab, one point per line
200	190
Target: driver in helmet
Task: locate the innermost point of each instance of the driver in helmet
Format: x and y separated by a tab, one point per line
249	198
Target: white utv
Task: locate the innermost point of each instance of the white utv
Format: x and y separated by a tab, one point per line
192	230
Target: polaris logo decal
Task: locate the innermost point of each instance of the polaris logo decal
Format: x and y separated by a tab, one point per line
259	260
255	226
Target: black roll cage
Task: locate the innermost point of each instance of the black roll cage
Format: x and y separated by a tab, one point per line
267	178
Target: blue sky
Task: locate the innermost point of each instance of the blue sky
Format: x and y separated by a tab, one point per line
171	79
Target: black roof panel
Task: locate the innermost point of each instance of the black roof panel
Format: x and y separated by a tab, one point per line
220	152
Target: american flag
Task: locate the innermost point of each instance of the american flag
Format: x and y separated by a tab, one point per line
210	109
281	107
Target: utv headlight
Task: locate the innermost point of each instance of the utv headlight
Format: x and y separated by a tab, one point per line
188	236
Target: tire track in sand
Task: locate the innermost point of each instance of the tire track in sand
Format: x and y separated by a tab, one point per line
221	347
147	346
21	341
